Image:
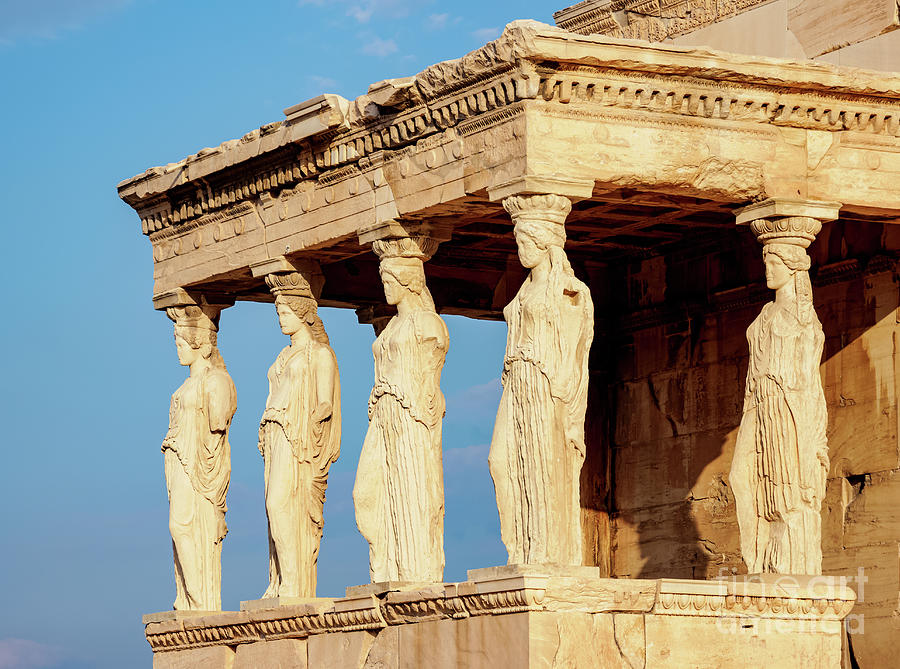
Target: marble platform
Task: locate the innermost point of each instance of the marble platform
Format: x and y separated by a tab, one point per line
513	617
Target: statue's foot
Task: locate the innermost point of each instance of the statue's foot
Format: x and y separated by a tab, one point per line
270	593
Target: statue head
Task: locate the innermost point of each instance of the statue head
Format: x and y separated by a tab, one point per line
296	305
402	269
788	265
195	333
535	240
402	277
193	343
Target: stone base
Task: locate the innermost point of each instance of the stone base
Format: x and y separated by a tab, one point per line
213	657
270	603
161	616
383	587
515	617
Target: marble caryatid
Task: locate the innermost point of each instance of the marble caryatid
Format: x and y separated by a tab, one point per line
399	490
781	455
198	459
299	438
537	449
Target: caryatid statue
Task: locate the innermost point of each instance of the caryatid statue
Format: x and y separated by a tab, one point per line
299	438
399	490
537	449
198	459
781	456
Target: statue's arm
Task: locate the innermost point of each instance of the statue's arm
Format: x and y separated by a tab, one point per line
221	401
433	332
326	370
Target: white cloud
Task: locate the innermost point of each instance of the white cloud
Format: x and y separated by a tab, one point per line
323	84
363	10
49	19
437	21
360	13
466	459
478	398
25	654
486	34
375	46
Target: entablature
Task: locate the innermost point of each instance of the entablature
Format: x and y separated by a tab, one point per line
538	109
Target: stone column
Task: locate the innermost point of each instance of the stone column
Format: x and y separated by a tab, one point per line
300	429
781	455
538	448
196	450
399	490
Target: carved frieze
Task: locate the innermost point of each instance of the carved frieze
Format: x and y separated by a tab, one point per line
489	86
653	20
824	601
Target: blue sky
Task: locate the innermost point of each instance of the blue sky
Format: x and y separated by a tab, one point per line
95	91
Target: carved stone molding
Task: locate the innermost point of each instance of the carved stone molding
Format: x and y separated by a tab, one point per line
795	222
829	600
549	207
653	20
292	277
422	247
798	230
180	298
487	86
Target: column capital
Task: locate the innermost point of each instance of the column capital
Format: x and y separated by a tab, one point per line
786	221
394	229
576	189
295	276
182	297
549	207
192	309
422	247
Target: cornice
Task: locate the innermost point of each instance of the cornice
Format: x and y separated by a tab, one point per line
530	61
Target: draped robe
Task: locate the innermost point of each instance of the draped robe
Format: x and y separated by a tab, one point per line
537	448
780	462
399	489
198	471
298	451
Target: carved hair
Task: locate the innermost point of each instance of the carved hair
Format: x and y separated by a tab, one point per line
197	337
306	310
797	260
409	273
544	234
550	237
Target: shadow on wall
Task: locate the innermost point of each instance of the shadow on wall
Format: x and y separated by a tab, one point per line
678	362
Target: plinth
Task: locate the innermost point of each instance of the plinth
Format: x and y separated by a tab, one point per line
525	617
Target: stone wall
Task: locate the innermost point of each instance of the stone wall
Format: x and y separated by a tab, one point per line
680	358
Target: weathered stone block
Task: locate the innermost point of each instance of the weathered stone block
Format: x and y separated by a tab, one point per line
483	642
714	642
276	654
874	574
822	26
874	514
213	657
873	640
